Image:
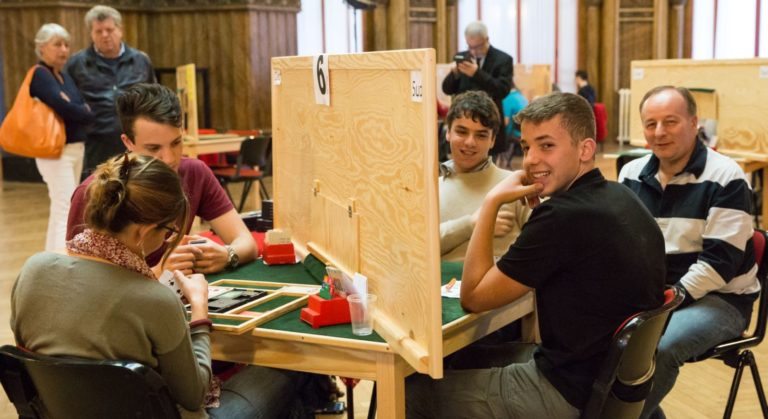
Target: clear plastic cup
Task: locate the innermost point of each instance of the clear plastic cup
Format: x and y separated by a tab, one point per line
361	308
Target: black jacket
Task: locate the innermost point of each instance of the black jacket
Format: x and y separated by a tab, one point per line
494	78
100	82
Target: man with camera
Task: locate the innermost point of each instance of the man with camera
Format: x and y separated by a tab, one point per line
482	67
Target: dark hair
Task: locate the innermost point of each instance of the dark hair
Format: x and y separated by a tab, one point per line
690	102
477	105
152	101
582	74
577	115
134	189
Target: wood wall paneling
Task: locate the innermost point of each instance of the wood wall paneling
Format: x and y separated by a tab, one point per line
428	24
676	31
635	43
234	42
591	60
453	37
660	28
422	35
398	33
441	31
423	21
608	60
613	33
688	30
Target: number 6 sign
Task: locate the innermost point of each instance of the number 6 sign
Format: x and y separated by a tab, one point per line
322	80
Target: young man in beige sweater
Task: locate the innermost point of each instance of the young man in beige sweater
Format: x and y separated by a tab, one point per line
473	122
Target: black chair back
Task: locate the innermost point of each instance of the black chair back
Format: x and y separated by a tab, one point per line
626	376
42	386
253	152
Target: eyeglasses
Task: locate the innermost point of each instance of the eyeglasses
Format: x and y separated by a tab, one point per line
173	233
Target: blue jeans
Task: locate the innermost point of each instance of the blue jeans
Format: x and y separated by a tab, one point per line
691	332
259	392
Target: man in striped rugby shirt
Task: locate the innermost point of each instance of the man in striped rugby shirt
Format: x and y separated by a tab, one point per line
701	201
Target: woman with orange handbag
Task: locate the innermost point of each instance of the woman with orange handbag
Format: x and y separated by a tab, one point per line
57	90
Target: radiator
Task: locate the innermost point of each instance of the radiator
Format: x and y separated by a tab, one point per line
625	97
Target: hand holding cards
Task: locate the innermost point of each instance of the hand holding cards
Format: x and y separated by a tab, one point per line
169	280
188	288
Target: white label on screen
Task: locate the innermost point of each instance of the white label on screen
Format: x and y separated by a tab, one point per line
322	80
417	87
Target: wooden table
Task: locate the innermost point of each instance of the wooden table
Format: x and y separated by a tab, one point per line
211	144
362	359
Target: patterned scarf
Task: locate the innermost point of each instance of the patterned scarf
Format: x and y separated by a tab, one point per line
91	243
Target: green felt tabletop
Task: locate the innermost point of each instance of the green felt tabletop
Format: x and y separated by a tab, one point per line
311	272
300	273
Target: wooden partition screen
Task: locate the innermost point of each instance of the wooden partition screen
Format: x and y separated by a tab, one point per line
356	183
533	80
739	101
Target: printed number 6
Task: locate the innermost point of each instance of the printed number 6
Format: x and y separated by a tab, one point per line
320	75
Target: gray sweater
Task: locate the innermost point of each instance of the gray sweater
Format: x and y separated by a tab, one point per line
64	305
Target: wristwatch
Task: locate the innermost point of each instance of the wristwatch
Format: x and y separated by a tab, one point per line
232	258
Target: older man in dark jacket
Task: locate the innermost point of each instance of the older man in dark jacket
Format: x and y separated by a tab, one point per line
101	72
485	68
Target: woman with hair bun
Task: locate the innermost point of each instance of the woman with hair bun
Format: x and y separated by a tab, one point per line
100	299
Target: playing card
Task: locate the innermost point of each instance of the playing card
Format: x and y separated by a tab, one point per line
169	281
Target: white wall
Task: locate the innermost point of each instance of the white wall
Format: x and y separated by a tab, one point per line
763	28
539	42
342	22
309	27
735	29
501	18
568	48
734	35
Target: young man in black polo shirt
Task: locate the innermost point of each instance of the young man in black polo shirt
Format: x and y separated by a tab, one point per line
593	255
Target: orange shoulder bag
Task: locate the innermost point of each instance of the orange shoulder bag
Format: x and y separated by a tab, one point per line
32	128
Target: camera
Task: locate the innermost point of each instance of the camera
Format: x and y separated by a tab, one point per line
462	56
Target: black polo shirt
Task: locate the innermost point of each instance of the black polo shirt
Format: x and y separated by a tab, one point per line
595	256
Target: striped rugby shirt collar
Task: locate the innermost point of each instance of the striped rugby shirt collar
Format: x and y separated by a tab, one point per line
695	166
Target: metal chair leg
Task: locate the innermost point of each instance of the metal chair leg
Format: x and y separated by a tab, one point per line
263	190
350	401
246	189
229	194
758	383
735	385
372	406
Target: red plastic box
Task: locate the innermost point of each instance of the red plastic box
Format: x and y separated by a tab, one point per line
279	254
321	312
